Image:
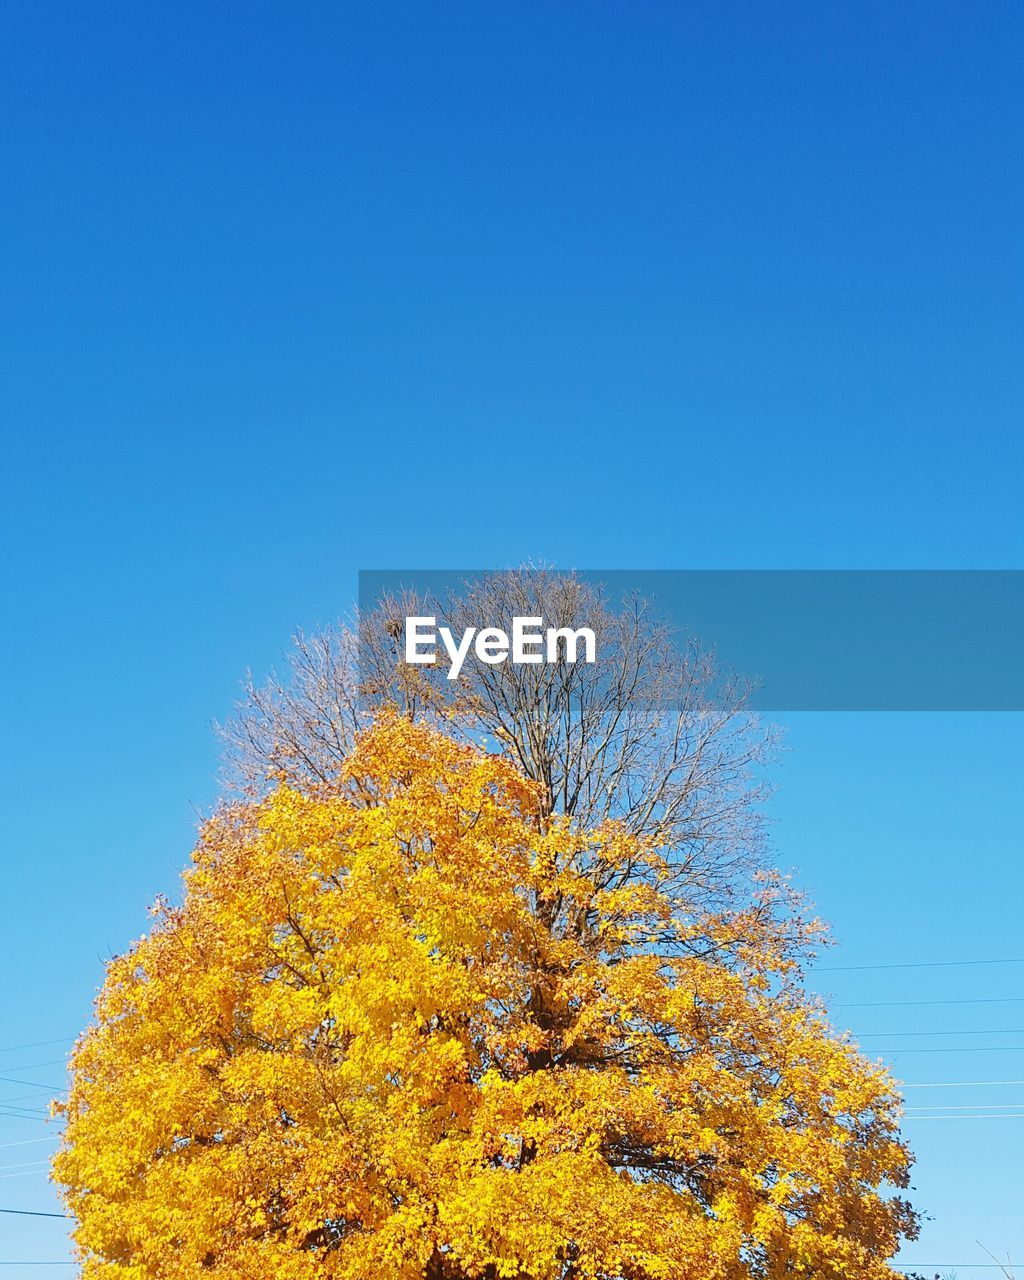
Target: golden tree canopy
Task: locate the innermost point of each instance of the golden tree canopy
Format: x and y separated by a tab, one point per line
405	1026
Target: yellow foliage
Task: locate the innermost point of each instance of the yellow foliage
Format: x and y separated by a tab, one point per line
403	1027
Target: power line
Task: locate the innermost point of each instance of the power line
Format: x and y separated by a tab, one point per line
902	1004
36	1044
987	1031
961	1084
916	964
965	1106
1006	1115
33	1084
964	1048
34	1213
31	1066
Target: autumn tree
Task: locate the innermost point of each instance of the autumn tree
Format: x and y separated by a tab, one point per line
657	733
409	1023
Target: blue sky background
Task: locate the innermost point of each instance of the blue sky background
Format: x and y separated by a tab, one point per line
290	290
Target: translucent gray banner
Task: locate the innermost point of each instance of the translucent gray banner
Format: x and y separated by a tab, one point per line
819	640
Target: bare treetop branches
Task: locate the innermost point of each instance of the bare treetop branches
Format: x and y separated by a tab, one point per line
654	734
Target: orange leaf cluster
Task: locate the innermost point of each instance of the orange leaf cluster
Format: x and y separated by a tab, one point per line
403	1027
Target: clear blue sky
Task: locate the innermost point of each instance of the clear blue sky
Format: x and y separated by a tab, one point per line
290	290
